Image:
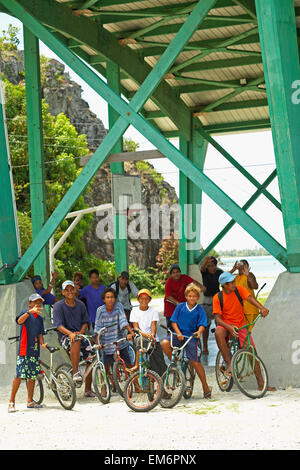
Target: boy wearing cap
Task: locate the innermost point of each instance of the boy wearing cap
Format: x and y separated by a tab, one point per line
71	318
144	319
174	290
28	360
124	289
229	313
189	318
49	299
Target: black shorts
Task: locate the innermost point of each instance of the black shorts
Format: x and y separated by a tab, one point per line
66	345
109	359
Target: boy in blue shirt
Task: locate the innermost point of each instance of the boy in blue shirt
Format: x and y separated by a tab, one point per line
28	360
49	299
189	318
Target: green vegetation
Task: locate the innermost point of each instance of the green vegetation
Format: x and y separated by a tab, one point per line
63	148
243	253
9	40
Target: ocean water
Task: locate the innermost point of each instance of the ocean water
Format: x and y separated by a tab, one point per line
265	268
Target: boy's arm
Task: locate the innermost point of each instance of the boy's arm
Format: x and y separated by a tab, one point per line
253	301
177	331
230	328
200	331
42	343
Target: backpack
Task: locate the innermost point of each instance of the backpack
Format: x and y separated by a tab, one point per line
220	295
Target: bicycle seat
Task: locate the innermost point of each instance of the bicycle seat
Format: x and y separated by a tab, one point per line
52	349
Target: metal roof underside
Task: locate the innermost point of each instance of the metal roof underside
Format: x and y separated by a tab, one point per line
219	74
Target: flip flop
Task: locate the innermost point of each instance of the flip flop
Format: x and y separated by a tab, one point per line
207	394
11	407
35	405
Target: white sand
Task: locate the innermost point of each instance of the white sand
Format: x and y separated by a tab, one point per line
228	421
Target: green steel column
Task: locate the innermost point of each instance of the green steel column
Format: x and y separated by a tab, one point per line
191	199
278	37
35	148
119	220
9	239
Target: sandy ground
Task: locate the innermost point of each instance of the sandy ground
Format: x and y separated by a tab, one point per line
227	421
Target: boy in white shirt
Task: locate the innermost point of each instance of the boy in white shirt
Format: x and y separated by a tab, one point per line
144	319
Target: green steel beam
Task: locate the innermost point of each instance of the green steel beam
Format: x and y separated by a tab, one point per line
233	105
9	239
56	15
108	3
190	200
128	113
154	48
119	220
248	6
35	148
215	23
234	127
226	42
231	224
237	165
277	28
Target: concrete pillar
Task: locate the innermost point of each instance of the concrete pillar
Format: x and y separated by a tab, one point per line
277	337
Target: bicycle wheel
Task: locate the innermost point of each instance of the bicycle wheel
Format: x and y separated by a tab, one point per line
101	384
189	376
65	366
65	389
225	382
132	353
38	392
146	395
246	371
174	385
120	376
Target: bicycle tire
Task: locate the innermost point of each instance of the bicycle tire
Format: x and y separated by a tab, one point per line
153	394
65	390
224	382
65	366
38	392
244	375
101	384
176	383
189	376
120	377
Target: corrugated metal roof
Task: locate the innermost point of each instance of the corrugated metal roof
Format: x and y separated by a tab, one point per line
203	81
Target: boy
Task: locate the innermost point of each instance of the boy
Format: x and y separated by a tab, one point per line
124	289
28	360
189	318
231	315
144	319
93	294
49	299
109	313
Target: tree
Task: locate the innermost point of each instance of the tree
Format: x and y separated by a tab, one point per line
63	148
9	40
168	254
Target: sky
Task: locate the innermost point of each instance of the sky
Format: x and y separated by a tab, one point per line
252	150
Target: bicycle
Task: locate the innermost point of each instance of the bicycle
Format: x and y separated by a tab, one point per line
60	382
178	381
246	367
93	363
143	389
119	371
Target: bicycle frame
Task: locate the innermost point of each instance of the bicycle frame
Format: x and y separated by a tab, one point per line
246	345
176	350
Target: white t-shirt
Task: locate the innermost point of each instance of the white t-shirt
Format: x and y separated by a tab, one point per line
144	318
